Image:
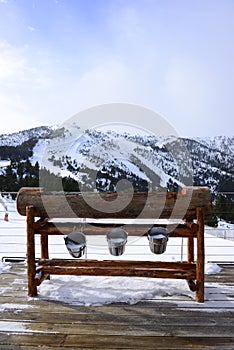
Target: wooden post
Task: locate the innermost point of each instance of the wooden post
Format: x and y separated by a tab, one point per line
190	249
45	250
44	246
200	256
31	264
190	243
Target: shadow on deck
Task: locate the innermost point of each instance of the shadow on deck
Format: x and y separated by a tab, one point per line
163	323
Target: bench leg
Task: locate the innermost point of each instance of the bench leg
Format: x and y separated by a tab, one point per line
200	256
31	264
44	246
45	249
190	246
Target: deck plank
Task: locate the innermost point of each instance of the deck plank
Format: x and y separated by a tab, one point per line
168	323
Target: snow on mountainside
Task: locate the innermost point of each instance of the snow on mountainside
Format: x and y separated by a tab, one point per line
20	137
102	158
222	143
98	159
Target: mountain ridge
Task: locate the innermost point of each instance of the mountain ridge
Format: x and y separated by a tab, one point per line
98	160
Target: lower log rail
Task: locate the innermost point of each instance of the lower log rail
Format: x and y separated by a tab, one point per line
118	263
148	269
116	271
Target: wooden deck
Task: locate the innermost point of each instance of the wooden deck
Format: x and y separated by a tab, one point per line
27	323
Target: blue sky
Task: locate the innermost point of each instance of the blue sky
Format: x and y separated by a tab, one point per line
59	57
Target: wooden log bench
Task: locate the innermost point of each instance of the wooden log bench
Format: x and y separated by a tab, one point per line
189	207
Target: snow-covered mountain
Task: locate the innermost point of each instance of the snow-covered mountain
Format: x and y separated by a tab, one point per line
98	160
17	138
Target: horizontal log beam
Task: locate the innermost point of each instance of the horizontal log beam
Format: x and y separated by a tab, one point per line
50	228
118	264
120	271
153	205
154	269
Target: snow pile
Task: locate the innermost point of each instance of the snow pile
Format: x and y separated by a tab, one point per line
96	290
4	267
211	268
225	225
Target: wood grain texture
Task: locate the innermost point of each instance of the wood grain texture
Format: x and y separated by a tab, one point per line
58	228
154	205
158	323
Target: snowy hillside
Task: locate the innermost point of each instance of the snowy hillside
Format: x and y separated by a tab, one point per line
222	143
20	137
98	159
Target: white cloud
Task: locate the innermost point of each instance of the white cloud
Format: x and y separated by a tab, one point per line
185	83
14	113
32	29
106	82
187	90
21	86
125	22
35	96
17	71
